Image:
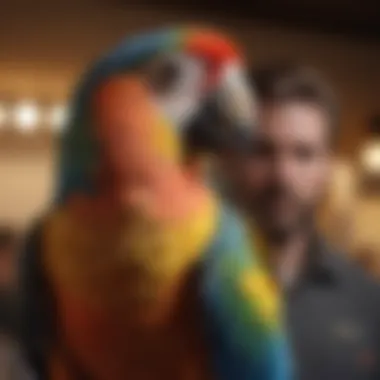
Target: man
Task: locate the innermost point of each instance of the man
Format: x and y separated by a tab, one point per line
333	310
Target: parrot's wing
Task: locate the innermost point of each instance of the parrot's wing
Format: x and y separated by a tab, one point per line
37	327
246	330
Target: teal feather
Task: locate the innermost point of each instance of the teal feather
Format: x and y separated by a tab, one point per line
244	344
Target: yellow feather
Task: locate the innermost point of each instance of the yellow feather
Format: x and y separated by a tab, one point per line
108	263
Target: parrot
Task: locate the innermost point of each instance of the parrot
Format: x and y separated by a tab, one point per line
139	269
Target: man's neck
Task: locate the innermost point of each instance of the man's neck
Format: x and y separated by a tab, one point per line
287	256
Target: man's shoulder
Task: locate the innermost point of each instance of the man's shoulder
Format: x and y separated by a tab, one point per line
350	271
353	279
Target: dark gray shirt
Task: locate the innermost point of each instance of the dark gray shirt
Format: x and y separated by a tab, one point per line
334	320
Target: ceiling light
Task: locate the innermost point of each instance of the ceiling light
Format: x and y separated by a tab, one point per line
26	116
371	156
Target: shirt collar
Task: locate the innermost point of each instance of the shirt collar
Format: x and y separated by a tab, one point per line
319	267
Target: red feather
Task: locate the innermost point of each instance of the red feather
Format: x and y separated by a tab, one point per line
214	49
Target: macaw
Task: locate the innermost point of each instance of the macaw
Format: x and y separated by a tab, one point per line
140	270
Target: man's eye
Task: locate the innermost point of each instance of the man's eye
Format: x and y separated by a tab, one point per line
304	153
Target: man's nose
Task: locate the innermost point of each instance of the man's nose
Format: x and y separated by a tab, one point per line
283	169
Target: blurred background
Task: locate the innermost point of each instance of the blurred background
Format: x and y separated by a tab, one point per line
45	46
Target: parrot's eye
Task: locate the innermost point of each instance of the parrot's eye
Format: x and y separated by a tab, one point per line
177	82
163	76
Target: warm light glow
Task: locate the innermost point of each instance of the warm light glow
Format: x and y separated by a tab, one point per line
342	184
3	115
26	116
57	118
371	157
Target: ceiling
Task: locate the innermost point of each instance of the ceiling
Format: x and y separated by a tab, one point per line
352	18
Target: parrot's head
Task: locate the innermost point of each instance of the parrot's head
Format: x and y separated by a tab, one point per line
166	97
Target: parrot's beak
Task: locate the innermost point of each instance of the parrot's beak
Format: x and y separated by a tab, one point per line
225	123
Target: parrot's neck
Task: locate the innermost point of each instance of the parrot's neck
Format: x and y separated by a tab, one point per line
166	195
162	193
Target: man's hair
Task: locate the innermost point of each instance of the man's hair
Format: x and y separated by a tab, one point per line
286	82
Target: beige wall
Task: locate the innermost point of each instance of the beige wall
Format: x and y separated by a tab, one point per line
25	186
367	224
351	220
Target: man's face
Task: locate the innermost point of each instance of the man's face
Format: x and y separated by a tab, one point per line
284	178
